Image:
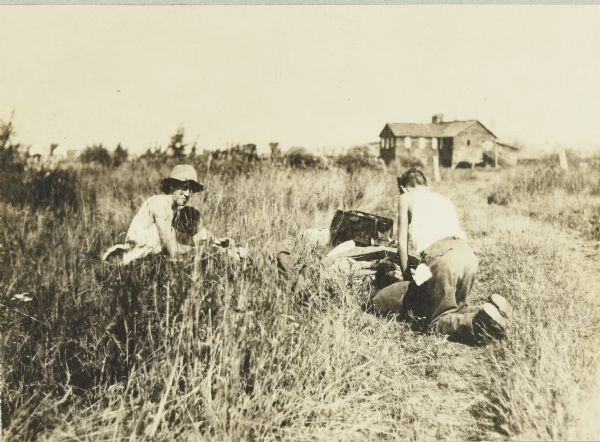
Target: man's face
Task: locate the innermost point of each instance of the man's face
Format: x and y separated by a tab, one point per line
401	188
182	195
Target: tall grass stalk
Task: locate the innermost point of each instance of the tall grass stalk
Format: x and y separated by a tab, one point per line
213	349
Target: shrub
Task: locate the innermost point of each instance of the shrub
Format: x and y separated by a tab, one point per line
42	189
96	154
300	158
176	147
237	160
357	158
275	150
54	189
500	196
119	156
411	162
20	186
13	157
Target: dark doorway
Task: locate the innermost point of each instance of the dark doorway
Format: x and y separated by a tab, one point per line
445	148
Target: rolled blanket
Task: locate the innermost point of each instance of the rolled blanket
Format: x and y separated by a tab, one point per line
115	251
125	253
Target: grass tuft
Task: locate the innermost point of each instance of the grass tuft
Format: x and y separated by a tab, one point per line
213	349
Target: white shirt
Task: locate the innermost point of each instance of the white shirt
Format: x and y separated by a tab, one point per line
433	218
144	236
143	232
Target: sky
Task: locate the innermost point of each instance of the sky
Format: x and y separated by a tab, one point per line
309	76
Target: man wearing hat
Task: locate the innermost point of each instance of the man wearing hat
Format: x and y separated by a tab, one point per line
165	223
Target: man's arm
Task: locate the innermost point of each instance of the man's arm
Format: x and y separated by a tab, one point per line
403	207
203	235
163	220
206	237
167	236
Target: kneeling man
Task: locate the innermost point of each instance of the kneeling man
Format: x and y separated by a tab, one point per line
437	291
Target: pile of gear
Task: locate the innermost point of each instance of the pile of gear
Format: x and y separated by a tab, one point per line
360	245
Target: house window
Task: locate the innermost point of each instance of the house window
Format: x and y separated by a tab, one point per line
434	143
421	143
407	142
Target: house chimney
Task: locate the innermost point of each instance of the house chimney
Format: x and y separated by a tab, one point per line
437	119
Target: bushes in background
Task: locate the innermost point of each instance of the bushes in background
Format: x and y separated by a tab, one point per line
13	156
54	189
100	155
358	158
300	158
96	154
119	156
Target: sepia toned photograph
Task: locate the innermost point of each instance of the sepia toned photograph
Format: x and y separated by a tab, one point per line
299	222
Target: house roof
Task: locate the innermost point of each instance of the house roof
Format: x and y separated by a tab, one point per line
428	130
502	143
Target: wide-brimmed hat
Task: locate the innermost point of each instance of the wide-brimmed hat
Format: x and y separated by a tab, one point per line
184	173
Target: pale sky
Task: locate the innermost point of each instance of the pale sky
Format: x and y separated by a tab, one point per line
302	75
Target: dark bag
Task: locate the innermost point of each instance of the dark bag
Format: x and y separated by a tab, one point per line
364	228
186	222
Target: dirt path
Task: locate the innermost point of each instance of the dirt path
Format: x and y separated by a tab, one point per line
585	254
588	425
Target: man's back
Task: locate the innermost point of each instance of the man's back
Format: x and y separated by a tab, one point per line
432	217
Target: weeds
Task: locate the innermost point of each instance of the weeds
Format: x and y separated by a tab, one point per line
212	349
571	199
358	159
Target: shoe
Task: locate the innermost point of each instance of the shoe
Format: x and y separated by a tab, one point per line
501	304
488	324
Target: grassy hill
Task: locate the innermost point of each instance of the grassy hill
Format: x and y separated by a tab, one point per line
210	349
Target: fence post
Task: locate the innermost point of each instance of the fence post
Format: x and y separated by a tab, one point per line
562	158
436	168
495	155
397	162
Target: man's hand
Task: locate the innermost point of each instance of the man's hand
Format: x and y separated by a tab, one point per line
223	242
237	253
408	274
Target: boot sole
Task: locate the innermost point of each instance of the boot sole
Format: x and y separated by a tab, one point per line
501	304
489	324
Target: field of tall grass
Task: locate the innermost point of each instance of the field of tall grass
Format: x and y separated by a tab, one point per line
206	348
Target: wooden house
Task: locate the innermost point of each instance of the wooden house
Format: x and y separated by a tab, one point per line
457	143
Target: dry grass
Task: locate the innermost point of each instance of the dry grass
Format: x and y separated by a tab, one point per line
212	350
569	199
